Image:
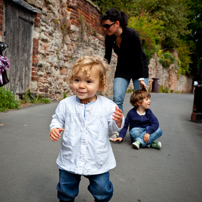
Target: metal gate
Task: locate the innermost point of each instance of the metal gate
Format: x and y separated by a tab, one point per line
18	35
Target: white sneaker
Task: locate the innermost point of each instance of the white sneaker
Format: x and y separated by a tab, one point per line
156	145
115	134
136	144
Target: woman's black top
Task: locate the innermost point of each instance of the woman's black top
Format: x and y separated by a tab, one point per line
132	61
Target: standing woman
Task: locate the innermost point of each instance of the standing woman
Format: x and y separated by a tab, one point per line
132	61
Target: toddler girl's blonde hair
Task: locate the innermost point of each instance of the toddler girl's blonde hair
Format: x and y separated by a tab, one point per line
138	96
86	63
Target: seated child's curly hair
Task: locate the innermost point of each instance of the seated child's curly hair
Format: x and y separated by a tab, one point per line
138	96
86	63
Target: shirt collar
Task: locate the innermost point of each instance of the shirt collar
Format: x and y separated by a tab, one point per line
78	100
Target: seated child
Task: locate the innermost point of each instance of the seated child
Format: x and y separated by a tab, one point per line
144	126
85	119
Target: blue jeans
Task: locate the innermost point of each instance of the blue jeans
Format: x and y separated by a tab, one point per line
119	89
68	187
137	134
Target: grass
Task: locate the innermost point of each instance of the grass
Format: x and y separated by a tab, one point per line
8	101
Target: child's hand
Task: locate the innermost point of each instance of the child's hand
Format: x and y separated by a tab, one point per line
117	116
55	134
146	137
120	139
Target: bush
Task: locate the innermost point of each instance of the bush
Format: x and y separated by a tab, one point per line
7	100
148	28
184	57
166	90
43	100
29	98
163	90
166	58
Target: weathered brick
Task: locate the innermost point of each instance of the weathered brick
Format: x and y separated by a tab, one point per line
34	69
34	78
34	74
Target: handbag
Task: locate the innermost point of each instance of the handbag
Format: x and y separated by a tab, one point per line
4	79
4	65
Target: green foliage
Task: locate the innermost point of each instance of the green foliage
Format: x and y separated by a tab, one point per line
125	5
185	58
29	98
195	24
149	29
80	20
165	58
130	90
150	53
173	14
164	24
166	90
65	95
94	33
160	89
43	100
163	90
7	100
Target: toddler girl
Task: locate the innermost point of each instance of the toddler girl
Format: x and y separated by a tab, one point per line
85	119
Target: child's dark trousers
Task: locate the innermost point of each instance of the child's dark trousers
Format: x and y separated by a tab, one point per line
68	187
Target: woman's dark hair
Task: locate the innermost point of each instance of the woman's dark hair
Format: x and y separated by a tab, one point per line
114	15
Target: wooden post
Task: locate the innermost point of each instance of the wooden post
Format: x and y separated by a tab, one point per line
196	115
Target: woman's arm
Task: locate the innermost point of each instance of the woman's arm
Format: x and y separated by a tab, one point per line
108	49
138	52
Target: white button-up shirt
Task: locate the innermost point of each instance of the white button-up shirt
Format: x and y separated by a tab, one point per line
85	147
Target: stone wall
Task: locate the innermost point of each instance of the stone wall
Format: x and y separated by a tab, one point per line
169	78
1	18
66	30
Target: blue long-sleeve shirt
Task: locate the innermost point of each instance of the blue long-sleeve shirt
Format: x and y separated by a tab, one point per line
133	119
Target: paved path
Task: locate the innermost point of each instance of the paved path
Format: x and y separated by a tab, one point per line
173	174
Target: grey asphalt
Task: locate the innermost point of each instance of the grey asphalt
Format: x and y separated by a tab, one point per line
28	172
